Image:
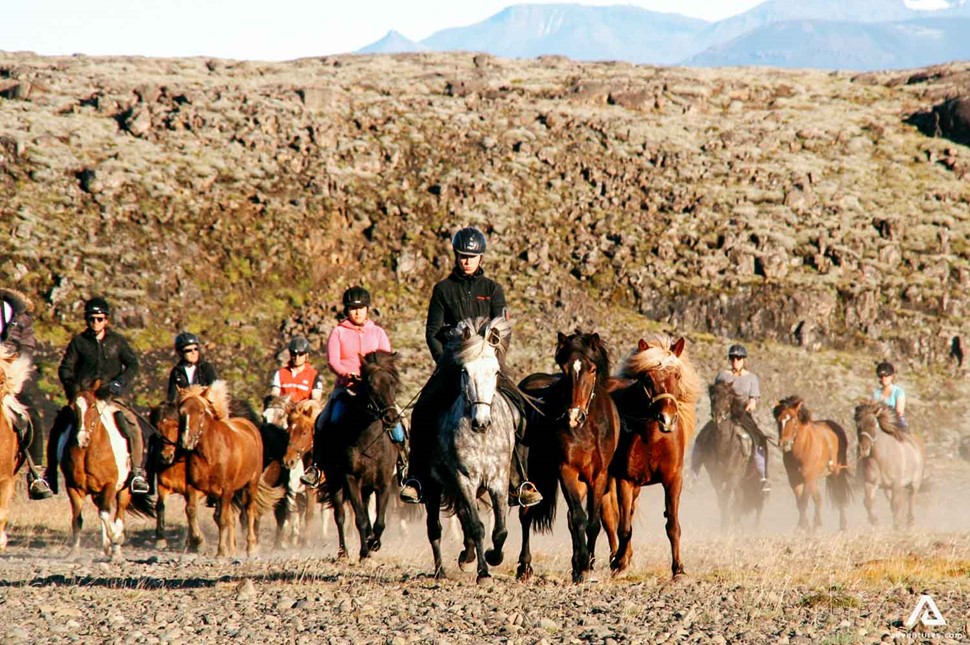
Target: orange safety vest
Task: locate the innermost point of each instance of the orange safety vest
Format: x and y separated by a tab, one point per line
297	386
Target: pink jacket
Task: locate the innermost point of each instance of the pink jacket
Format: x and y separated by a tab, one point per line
348	342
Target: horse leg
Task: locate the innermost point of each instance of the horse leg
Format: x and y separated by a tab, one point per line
195	539
6	493
573	489
252	511
910	516
77	501
283	512
432	506
594	504
468	554
524	571
105	501
610	513
162	493
361	514
383	500
817	499
339	516
672	513
224	522
500	532
869	501
801	500
896	503
626	494
474	527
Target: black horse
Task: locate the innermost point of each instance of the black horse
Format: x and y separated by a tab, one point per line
356	453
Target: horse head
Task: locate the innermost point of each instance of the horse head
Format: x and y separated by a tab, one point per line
871	418
300	424
197	406
378	385
276	409
584	361
668	382
477	354
87	411
790	414
165	419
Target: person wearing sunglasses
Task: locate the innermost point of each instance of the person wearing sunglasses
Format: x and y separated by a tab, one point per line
102	354
191	368
888	393
297	380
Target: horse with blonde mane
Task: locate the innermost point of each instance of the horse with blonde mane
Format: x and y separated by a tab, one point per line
225	460
657	410
95	461
170	474
890	458
14	371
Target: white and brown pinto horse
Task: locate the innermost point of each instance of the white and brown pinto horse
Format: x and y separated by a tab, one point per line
14	371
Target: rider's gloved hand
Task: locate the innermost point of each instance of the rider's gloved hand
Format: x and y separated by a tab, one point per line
116	388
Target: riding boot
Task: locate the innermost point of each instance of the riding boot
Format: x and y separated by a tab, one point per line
522	492
402	462
761	463
62	423
151	464
137	482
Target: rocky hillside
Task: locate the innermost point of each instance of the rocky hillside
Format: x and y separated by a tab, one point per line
239	199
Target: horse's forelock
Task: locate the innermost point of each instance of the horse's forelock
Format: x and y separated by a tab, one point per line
307	408
804	414
883	416
379	361
589	345
16	370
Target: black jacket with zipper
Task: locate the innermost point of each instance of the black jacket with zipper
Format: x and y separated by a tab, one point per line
458	297
110	359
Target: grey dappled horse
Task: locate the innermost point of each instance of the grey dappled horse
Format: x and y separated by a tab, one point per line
890	458
476	436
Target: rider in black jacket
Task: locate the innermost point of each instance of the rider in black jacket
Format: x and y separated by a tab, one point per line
103	354
191	369
465	293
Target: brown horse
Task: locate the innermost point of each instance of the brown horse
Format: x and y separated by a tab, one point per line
171	477
725	448
224	460
659	418
14	371
95	462
572	441
813	450
889	458
294	515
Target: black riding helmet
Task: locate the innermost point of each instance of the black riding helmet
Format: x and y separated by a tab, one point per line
885	368
299	345
356	297
96	305
469	241
737	351
186	339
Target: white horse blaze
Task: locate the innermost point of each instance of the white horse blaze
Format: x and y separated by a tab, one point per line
83	438
577	367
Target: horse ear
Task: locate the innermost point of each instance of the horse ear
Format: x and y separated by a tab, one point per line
678	347
561	339
494	337
594	340
642	345
466	333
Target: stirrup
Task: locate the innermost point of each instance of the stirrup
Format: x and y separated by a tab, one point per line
311	477
138	485
526	495
406	494
39	489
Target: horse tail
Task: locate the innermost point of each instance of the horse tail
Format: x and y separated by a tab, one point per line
267	497
839	486
142	506
544	473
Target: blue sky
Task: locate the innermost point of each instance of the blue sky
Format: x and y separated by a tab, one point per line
258	29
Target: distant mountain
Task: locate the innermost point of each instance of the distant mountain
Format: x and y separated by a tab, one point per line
393	43
827	34
844	45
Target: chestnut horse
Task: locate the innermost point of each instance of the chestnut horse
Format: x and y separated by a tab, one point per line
813	450
890	458
572	441
95	462
14	371
225	459
294	515
659	418
171	477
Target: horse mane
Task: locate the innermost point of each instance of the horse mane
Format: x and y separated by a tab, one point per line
20	296
726	389
216	395
307	408
164	410
460	350
596	350
381	360
804	414
659	357
16	370
885	416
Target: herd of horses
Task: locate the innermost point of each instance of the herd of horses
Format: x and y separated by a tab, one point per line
596	436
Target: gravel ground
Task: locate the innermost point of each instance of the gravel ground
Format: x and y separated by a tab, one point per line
753	585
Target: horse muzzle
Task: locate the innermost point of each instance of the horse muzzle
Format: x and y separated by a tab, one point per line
577	417
786	446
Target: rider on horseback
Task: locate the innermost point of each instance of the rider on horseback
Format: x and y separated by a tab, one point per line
191	368
355	336
888	393
465	293
17	334
297	380
98	353
747	386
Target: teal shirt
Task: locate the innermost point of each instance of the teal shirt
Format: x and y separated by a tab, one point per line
894	393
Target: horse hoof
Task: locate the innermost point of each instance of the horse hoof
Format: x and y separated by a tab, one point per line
162	544
363	555
494	557
466	557
581	576
680	579
440	574
484	579
341	554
